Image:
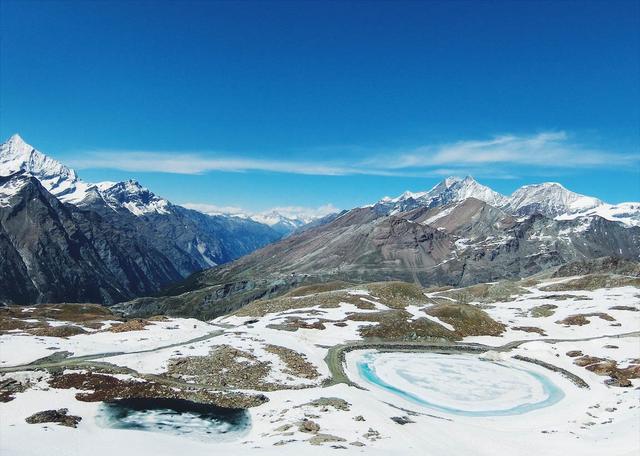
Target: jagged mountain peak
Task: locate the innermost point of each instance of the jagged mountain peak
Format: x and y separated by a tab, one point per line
131	195
17	155
449	190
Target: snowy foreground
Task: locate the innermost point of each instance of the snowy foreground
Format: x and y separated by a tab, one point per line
397	402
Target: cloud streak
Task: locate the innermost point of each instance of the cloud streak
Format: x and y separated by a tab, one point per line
499	156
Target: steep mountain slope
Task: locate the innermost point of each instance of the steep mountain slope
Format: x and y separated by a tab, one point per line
54	252
140	242
461	243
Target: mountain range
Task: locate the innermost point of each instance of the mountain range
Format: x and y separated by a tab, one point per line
456	234
62	239
66	240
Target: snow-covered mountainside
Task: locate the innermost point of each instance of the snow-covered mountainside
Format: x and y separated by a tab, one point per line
134	197
63	239
551	199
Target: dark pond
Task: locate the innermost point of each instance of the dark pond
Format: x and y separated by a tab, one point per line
175	416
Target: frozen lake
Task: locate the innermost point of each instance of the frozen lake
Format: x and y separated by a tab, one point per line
175	416
460	384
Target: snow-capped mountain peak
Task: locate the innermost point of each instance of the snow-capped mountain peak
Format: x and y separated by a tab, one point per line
279	222
16	155
549	198
134	197
449	190
454	189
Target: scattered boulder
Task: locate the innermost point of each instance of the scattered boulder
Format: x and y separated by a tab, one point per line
371	434
59	416
574	353
309	426
319	439
402	420
335	402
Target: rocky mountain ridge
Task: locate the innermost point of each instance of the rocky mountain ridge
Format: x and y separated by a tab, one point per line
550	199
115	240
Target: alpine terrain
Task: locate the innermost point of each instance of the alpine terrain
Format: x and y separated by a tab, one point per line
459	233
65	240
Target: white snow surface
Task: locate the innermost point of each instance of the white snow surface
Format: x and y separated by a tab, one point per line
600	420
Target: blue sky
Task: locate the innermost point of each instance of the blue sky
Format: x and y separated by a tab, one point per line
262	104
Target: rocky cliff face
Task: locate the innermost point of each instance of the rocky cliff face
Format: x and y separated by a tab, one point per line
62	239
55	252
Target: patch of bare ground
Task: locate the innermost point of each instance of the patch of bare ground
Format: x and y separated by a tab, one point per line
324	402
487	292
593	282
227	367
398	325
295	323
564	297
629	308
327	299
297	364
131	325
583	319
100	388
530	329
608	367
544	310
58	331
318	288
35	319
396	295
467	320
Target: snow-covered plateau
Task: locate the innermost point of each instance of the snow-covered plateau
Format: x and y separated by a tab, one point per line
551	365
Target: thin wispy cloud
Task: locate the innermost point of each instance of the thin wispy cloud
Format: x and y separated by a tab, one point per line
193	163
499	157
546	149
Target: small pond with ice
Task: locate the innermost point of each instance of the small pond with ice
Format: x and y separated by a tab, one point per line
460	384
175	416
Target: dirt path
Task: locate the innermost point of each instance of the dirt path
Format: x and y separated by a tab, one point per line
60	360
